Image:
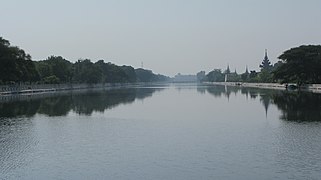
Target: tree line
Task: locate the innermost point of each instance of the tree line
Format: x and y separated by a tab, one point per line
300	65
16	66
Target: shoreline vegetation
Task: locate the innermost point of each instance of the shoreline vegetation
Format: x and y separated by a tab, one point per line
298	68
18	69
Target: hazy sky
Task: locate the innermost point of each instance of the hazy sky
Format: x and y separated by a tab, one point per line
169	36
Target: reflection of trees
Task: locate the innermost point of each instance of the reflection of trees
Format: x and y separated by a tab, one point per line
216	90
143	93
99	101
299	106
201	89
265	95
55	106
219	90
294	106
20	108
82	102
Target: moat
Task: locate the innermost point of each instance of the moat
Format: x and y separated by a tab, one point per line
166	131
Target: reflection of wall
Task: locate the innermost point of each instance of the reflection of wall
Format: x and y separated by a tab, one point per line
82	102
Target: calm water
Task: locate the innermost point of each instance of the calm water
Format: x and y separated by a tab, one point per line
162	132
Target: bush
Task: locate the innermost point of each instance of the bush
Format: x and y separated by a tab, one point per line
51	80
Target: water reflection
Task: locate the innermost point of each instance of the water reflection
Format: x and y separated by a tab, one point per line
294	105
299	106
81	102
179	133
20	108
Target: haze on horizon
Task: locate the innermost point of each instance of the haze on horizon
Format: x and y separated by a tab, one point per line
168	36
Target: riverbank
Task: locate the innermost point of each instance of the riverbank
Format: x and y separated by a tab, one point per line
310	87
43	88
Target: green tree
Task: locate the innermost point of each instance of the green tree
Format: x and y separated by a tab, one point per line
215	76
86	72
43	68
301	65
144	75
55	66
253	76
245	75
265	76
234	77
15	64
201	76
130	73
112	73
60	67
51	80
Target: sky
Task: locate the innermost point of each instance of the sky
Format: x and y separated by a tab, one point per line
168	36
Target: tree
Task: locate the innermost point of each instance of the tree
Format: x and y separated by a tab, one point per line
60	67
301	65
55	66
277	65
130	73
112	73
144	75
86	72
15	64
253	76
265	77
201	76
215	76
51	80
245	75
43	68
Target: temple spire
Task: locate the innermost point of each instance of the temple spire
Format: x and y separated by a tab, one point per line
228	71
266	64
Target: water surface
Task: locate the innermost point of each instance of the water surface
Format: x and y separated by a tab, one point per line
161	132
